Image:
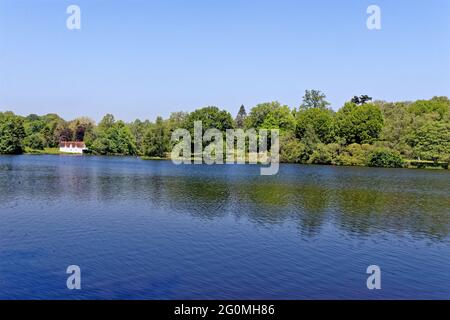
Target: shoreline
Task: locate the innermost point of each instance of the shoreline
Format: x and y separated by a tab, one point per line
409	163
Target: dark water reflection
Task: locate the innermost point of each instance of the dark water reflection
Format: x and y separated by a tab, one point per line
308	232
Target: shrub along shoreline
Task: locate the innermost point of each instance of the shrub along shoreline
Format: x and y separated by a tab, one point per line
360	133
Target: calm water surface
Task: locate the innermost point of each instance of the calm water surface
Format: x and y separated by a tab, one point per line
153	230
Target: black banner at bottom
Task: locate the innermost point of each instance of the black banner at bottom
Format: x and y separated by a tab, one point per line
199	309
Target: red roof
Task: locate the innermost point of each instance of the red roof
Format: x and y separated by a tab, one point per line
72	144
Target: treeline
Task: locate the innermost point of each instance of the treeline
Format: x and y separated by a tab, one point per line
360	133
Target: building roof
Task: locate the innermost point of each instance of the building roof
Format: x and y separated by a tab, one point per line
72	144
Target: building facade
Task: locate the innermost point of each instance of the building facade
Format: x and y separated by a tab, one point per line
72	147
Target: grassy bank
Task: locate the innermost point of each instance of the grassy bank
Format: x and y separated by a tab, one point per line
424	164
154	158
54	151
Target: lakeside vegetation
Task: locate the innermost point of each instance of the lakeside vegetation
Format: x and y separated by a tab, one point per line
29	150
360	133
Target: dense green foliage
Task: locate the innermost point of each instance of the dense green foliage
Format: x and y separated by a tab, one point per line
362	132
358	124
113	137
211	117
156	140
385	158
320	120
314	99
12	134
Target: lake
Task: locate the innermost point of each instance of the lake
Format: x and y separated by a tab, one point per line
153	230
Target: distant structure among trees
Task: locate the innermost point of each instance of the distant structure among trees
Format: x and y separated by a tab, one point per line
72	147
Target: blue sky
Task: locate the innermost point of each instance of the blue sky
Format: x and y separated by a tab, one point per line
140	59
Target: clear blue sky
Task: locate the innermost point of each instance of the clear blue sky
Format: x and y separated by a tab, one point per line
140	59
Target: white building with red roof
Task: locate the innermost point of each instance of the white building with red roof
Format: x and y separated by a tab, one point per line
72	146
